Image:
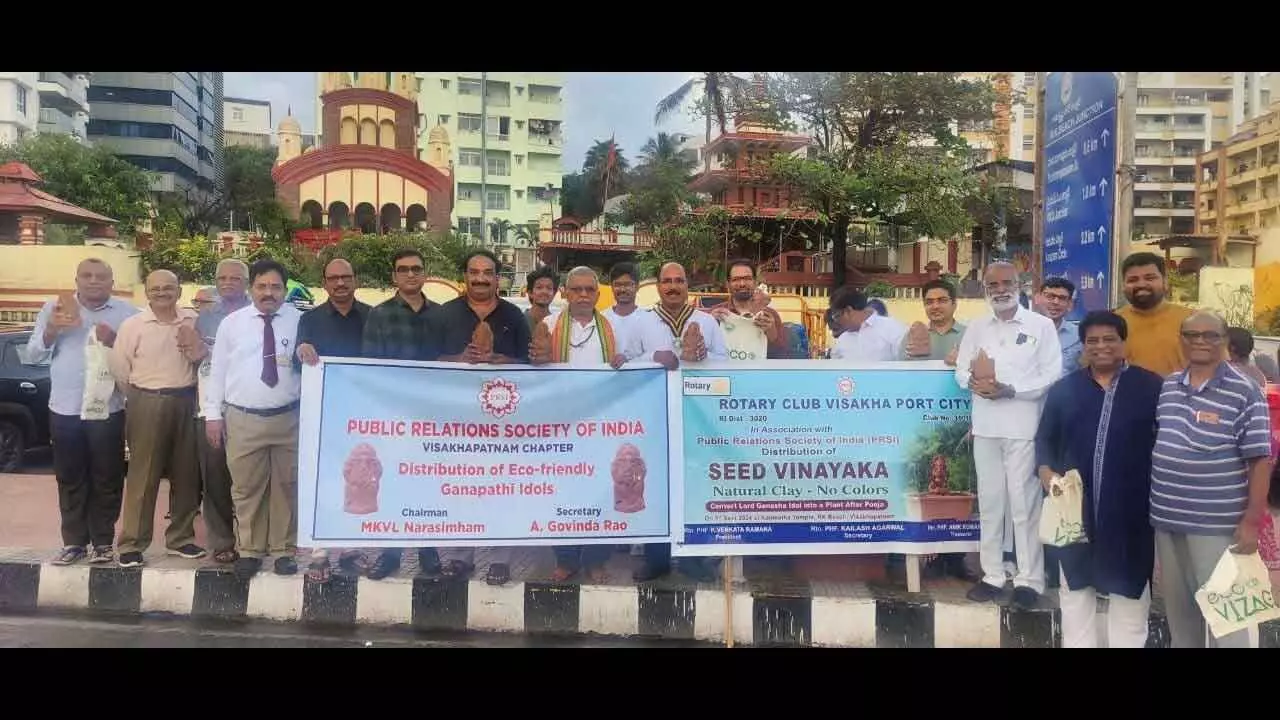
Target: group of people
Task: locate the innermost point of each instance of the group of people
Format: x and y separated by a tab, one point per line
1169	433
213	393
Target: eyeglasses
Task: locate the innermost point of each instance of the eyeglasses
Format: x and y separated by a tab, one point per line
1001	285
1103	340
1212	337
410	269
580	289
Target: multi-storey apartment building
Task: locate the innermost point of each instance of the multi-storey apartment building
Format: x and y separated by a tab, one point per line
1011	132
507	130
47	102
1179	116
168	123
1239	189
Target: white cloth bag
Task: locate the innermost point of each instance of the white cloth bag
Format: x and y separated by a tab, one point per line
1062	517
743	339
1237	595
99	385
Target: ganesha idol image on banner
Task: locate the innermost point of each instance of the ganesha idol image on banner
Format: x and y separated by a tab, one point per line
362	476
628	471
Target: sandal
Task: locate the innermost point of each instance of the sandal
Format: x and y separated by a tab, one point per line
456	568
498	574
226	557
319	570
561	574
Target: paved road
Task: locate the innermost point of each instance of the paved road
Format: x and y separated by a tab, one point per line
66	632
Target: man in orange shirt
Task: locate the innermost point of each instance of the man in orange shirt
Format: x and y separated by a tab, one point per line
151	361
1155	342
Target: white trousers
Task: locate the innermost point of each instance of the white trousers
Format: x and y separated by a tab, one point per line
1126	621
1008	486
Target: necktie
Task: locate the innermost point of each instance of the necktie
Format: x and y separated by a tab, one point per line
270	373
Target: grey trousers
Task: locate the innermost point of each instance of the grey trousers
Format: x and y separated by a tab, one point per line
1186	562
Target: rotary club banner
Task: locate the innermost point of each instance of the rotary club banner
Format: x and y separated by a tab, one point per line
442	454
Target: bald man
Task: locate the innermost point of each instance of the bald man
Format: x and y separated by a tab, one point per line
88	454
154	361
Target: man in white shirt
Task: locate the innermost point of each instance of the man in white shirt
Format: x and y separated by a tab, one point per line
866	336
252	404
580	337
660	334
624	316
1006	412
661	338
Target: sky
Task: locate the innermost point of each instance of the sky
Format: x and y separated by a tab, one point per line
597	105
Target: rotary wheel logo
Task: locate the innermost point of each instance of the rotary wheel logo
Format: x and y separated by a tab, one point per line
845	386
499	397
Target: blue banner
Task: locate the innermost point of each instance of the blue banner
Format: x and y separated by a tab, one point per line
440	454
814	458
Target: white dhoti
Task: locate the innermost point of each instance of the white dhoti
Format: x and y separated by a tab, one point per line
1008	487
1126	622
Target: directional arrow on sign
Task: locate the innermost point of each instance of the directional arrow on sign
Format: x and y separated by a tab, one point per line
1105	134
1101	278
1102	187
1102	233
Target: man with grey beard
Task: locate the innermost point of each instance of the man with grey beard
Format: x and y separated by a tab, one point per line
1009	360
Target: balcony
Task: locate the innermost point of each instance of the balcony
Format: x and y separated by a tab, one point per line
1165	185
537	140
64	92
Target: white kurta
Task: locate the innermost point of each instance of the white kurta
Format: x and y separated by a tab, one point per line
652	335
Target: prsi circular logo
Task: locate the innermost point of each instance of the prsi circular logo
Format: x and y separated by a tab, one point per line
845	386
499	397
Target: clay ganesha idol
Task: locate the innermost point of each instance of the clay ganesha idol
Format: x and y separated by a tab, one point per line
541	340
628	471
482	338
362	476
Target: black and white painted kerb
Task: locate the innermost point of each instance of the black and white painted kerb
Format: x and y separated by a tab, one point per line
822	614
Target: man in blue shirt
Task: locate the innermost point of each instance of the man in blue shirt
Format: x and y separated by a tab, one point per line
1057	297
88	455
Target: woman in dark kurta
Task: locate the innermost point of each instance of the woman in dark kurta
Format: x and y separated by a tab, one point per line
1101	421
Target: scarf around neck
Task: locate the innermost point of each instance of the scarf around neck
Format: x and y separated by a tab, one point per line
560	337
676	324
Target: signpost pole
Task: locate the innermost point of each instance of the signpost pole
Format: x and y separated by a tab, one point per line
1126	108
1037	204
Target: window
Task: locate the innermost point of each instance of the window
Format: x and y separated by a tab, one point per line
470	226
117	128
163	165
469	123
469	193
496	200
468	87
444	84
137	96
1029	79
519	160
498	166
1029	112
1028	142
237	114
22	100
442	119
470	158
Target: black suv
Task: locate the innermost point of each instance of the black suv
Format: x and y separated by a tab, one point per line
24	401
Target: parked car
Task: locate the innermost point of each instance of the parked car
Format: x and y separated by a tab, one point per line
24	400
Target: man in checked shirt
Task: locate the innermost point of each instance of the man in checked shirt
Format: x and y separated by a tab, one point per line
401	329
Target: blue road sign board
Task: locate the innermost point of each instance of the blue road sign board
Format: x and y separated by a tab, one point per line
1079	183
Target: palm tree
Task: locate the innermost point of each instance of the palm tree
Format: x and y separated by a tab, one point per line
528	234
720	92
498	231
664	150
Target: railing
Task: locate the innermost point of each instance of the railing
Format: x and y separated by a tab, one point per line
500	137
536	139
610	238
500	171
545	99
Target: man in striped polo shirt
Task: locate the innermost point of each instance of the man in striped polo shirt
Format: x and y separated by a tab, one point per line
1209	474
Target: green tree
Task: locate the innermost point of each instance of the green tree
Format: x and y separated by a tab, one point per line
370	255
500	231
90	177
193	259
885	150
250	196
719	94
663	150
